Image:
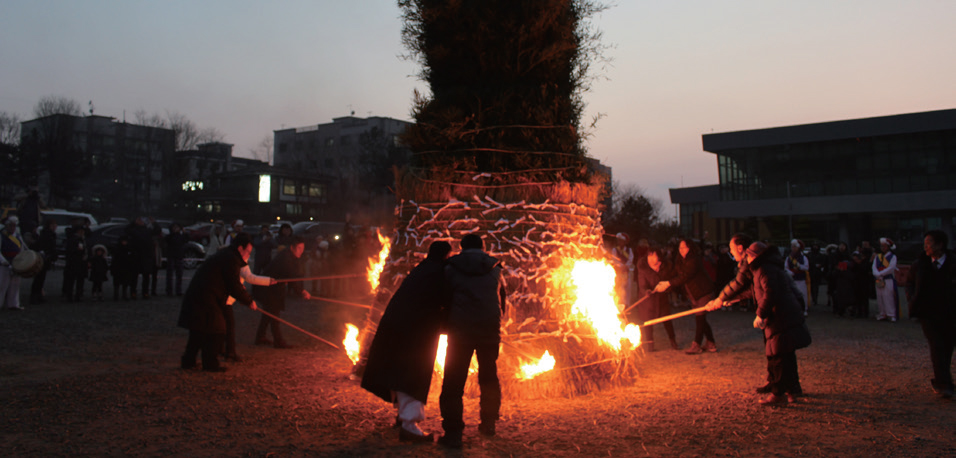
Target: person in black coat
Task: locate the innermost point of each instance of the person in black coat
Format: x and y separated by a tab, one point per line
842	286
98	271
934	304
46	247
121	267
202	310
401	357
176	242
287	264
74	273
477	303
651	270
141	242
780	316
689	273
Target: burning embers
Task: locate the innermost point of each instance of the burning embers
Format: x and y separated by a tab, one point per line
590	312
375	265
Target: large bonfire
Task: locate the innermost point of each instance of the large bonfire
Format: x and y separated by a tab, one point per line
496	151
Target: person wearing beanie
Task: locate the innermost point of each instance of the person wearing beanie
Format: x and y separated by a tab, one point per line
884	270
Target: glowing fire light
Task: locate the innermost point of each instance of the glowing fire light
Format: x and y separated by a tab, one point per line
375	266
529	371
351	342
440	356
595	303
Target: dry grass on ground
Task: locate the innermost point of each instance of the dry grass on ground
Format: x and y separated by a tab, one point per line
103	379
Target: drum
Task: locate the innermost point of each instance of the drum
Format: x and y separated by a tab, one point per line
28	263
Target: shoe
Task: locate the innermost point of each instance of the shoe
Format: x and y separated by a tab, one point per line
694	349
233	358
791	398
880	317
405	435
773	399
283	345
263	341
488	429
765	389
674	344
214	369
709	347
892	319
450	441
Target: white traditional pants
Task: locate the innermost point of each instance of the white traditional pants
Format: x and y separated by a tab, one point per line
886	300
802	288
410	411
9	288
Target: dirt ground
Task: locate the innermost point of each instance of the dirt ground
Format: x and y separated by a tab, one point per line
102	379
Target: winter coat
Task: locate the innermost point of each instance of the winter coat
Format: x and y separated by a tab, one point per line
205	300
142	244
98	269
934	291
689	272
123	263
402	354
478	294
176	245
284	266
777	303
76	256
647	279
46	245
741	285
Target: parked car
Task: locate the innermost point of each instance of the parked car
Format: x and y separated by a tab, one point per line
108	235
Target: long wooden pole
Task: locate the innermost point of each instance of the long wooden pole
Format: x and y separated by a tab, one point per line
329	277
676	315
336	301
638	302
295	327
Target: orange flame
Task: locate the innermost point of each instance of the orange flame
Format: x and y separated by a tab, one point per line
530	371
351	342
595	303
440	356
375	266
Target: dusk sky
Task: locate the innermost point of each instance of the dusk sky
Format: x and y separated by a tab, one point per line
679	68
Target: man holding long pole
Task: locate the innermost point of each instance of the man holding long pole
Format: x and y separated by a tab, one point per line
287	264
203	310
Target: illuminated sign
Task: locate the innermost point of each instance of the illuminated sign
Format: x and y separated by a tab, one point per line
265	188
192	186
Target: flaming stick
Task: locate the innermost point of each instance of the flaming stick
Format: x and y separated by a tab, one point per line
295	327
336	301
328	277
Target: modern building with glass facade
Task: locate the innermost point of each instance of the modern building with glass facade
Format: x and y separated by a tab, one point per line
852	180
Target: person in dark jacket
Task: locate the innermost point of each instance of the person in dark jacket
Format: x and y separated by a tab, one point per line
739	288
141	242
46	246
780	316
121	267
176	242
401	357
77	261
843	288
934	304
689	273
202	310
474	321
651	270
264	244
287	264
862	284
98	271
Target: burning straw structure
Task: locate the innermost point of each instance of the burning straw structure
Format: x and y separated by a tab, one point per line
496	151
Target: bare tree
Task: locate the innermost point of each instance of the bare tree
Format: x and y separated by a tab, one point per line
9	128
263	151
55	104
188	135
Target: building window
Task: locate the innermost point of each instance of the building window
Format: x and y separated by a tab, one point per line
288	187
293	209
316	190
330	141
